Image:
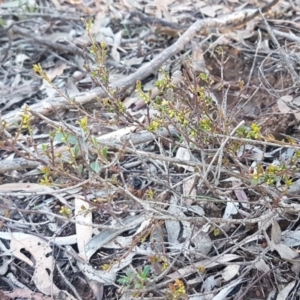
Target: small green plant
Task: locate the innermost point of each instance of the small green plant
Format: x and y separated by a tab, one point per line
65	211
76	160
159	262
46	179
2	22
27	7
252	132
136	279
216	232
272	174
150	194
177	290
26	119
192	111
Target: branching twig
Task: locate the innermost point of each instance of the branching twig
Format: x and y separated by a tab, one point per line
283	56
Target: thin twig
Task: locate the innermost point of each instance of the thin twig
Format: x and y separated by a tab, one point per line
283	55
68	283
220	150
241	297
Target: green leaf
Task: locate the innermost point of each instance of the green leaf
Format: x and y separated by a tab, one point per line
83	123
216	232
80	169
95	166
104	152
146	272
203	76
60	137
45	147
76	150
139	84
138	286
124	280
95	141
2	22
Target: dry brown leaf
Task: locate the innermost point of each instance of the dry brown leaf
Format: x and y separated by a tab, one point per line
284	293
189	189
276	233
31	188
296	104
184	154
114	51
74	2
129	101
20	58
241	195
24	187
97	288
134	61
6	202
22	293
3	295
56	4
57	71
162	10
101	20
20	90
230	210
42	261
157	239
284	251
230	272
205	263
173	226
211	10
283	102
262	266
52	74
97	29
71	88
127	3
227	290
59	36
118	134
198	61
202	240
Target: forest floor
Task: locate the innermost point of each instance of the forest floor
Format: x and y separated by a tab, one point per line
149	149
